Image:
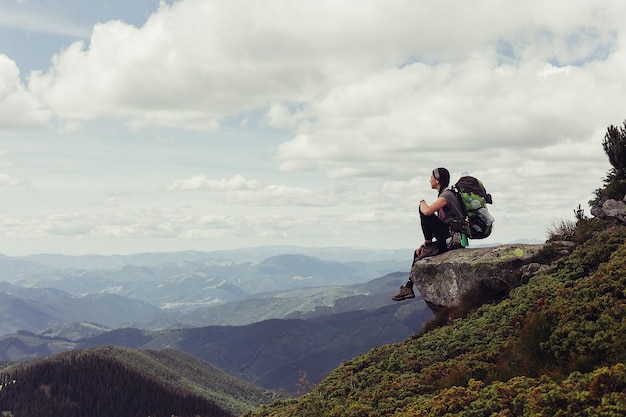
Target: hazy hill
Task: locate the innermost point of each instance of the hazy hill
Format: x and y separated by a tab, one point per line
180	282
18	313
273	353
25	345
348	321
295	304
40	295
36	310
13	269
73	331
127	383
219	257
555	346
186	289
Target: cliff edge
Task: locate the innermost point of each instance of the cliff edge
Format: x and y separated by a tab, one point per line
444	279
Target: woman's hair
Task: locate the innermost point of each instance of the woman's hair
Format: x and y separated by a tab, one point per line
443	176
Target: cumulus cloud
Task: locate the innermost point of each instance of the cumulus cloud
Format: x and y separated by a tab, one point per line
471	108
70	224
7	180
354	103
200	182
364	88
239	190
18	108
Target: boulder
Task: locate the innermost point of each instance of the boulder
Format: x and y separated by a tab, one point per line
610	210
442	280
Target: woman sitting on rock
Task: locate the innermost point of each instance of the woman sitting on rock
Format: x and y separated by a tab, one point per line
435	220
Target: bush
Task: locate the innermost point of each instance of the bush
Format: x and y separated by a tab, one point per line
562	229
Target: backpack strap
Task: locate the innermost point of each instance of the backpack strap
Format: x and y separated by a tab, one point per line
460	225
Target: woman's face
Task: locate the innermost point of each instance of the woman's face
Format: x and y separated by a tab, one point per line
433	182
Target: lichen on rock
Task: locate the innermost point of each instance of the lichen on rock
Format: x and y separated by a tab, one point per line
442	280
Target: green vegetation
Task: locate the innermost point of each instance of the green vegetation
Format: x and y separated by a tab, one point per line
190	374
87	383
554	347
115	381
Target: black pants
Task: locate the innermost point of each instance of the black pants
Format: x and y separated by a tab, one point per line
433	227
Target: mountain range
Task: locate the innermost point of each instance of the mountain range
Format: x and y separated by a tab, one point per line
179	289
269	353
283	315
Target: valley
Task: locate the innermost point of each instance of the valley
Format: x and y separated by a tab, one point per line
264	315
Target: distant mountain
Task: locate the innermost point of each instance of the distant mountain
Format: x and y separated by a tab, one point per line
359	311
128	383
106	309
18	313
45	308
25	345
223	257
272	353
74	331
186	281
40	295
295	304
37	309
14	269
333	308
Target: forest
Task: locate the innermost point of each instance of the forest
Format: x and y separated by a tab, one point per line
87	383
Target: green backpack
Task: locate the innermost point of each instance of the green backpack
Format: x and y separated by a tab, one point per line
478	222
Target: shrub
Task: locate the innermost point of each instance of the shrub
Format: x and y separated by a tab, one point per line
563	229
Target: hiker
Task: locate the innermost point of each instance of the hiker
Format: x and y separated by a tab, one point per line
435	220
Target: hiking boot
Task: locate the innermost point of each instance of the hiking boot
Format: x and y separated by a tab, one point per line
404	294
428	249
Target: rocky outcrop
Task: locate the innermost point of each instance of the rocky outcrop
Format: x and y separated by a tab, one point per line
442	280
610	210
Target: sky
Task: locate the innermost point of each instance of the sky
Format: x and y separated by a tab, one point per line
147	126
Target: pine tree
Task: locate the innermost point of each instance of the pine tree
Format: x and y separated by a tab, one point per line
614	145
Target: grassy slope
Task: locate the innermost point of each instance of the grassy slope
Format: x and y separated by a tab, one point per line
556	346
191	374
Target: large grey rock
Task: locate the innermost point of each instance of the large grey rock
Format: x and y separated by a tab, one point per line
611	210
443	279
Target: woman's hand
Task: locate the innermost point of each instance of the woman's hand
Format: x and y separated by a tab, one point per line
434	207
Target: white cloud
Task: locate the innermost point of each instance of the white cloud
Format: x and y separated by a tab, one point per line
196	62
18	108
70	224
7	180
239	190
343	107
468	108
200	182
